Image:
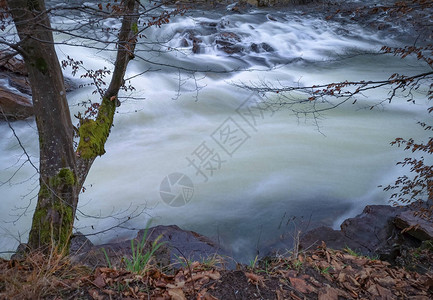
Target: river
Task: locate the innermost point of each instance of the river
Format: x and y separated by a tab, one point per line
246	181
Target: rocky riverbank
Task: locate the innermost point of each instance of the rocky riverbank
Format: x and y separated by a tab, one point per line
380	231
318	272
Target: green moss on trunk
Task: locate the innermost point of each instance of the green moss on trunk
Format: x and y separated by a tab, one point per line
65	176
54	217
53	225
41	65
94	133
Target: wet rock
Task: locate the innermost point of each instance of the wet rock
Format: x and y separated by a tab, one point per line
184	43
80	244
176	243
255	48
271	3
371	233
183	243
13	74
267	47
271	18
14	106
196	42
19	82
195	47
262	47
241	7
334	239
11	63
228	42
414	225
70	84
211	27
21	252
373	229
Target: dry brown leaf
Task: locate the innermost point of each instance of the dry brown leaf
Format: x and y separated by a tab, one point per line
315	282
336	265
176	294
360	261
95	295
214	275
327	293
109	292
293	295
290	273
354	281
387	281
373	291
254	278
196	277
195	265
99	281
301	285
323	265
106	270
207	296
348	256
349	288
341	277
323	245
180	276
279	295
160	283
384	293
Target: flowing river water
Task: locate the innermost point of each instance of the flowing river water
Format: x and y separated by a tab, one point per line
248	181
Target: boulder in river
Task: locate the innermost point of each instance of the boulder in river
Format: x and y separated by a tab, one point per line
262	47
228	42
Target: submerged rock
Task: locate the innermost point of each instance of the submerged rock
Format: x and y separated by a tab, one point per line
262	47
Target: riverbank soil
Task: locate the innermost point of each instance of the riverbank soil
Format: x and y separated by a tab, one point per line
321	273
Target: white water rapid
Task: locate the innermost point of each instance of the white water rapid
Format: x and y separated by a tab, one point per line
264	174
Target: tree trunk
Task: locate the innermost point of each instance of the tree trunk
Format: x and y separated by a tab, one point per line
62	170
58	195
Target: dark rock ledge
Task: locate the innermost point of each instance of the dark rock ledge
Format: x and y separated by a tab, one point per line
178	245
379	231
15	89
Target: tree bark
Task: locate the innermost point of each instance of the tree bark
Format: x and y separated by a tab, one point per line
58	195
62	169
